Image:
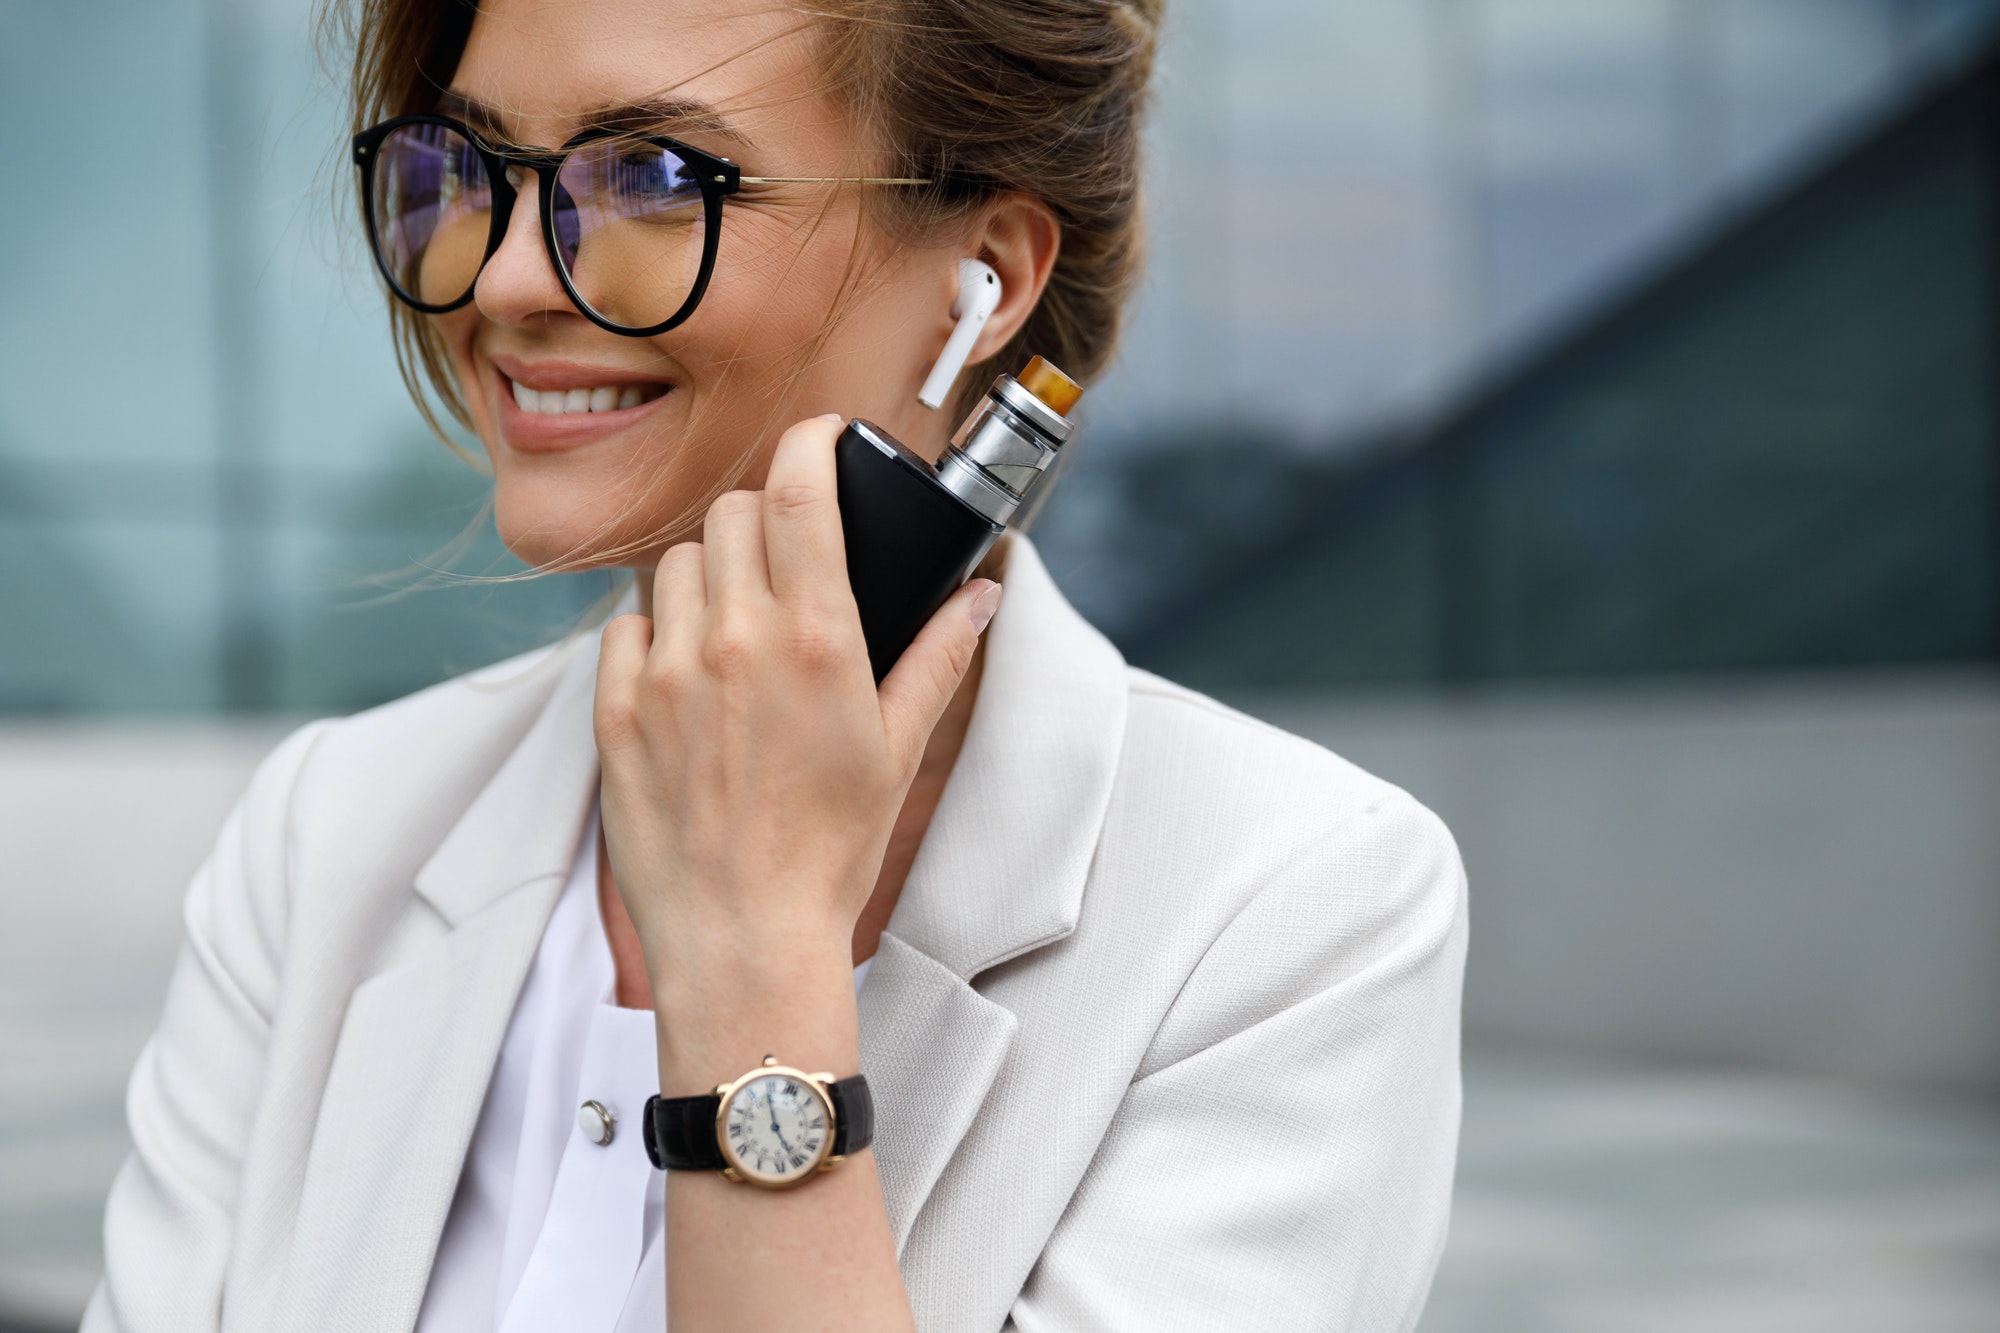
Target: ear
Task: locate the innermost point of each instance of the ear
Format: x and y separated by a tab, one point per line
1019	236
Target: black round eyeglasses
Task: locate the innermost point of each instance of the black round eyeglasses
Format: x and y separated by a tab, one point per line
631	222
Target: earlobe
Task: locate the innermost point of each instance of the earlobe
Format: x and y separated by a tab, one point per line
978	297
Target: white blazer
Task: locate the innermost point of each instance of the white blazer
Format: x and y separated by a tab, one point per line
1163	1033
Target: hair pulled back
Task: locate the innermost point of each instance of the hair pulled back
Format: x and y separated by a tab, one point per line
1043	98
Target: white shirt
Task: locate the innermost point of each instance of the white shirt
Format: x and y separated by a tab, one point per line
550	1229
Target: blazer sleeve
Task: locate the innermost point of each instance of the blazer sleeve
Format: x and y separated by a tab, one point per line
169	1221
1284	1155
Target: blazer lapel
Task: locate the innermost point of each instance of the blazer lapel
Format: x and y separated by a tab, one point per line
1001	872
931	1046
404	1094
418	1041
525	823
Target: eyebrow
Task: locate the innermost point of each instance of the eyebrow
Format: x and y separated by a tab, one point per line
650	116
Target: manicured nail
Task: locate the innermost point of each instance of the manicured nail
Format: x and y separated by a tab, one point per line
983	607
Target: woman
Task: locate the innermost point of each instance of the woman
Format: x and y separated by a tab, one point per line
1157	1006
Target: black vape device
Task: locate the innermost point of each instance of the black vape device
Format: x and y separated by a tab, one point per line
916	530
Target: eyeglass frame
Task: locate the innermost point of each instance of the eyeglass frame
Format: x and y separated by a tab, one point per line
717	177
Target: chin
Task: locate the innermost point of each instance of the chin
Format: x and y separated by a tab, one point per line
541	529
580	520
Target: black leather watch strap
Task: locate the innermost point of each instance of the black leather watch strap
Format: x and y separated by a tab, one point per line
853	1115
680	1131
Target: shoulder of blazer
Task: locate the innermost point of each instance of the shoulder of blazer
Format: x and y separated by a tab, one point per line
1290	869
1310	783
1220	810
402	773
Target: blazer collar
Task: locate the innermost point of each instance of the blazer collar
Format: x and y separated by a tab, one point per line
1002	866
524	824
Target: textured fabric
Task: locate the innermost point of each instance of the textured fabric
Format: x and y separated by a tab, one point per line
529	1163
1163	1033
550	1229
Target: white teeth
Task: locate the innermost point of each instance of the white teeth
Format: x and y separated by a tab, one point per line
567	402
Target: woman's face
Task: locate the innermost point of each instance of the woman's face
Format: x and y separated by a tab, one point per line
759	352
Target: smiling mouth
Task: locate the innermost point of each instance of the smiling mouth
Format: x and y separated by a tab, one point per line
580	402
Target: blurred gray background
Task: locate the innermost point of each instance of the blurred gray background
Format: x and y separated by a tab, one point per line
1585	413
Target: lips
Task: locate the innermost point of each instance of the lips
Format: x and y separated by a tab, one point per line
554	405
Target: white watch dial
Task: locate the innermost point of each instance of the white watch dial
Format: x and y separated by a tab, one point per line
775	1128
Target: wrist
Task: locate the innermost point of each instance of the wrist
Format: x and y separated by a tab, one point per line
715	1025
696	956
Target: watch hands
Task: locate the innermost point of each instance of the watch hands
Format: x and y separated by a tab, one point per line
772	1102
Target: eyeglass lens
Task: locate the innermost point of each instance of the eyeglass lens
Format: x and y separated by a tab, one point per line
433	210
629	222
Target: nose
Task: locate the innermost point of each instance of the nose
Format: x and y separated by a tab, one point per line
519	286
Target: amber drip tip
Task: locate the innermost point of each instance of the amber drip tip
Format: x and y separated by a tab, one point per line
1057	391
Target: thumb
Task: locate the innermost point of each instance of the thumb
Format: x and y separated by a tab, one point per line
920	685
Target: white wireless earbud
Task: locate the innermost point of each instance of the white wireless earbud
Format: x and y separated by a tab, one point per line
978	297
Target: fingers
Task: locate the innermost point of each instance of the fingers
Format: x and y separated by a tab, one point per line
802	540
920	685
733	533
680	598
625	643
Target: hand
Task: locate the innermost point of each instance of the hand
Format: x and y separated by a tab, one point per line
751	770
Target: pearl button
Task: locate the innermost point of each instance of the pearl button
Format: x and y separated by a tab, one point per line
596	1122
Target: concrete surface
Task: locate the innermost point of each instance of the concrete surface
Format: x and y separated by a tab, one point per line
1603	1197
1802	874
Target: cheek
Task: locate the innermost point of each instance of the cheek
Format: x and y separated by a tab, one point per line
457	330
763	353
776	281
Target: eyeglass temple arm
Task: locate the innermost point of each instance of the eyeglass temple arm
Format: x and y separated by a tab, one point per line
835	180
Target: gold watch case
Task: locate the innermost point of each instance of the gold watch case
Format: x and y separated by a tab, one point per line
788	1174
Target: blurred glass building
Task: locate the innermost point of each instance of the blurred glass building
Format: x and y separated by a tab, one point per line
1781	451
213	494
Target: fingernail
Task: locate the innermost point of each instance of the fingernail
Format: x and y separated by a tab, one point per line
983	607
834	417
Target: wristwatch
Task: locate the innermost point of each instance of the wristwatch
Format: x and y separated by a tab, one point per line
776	1126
